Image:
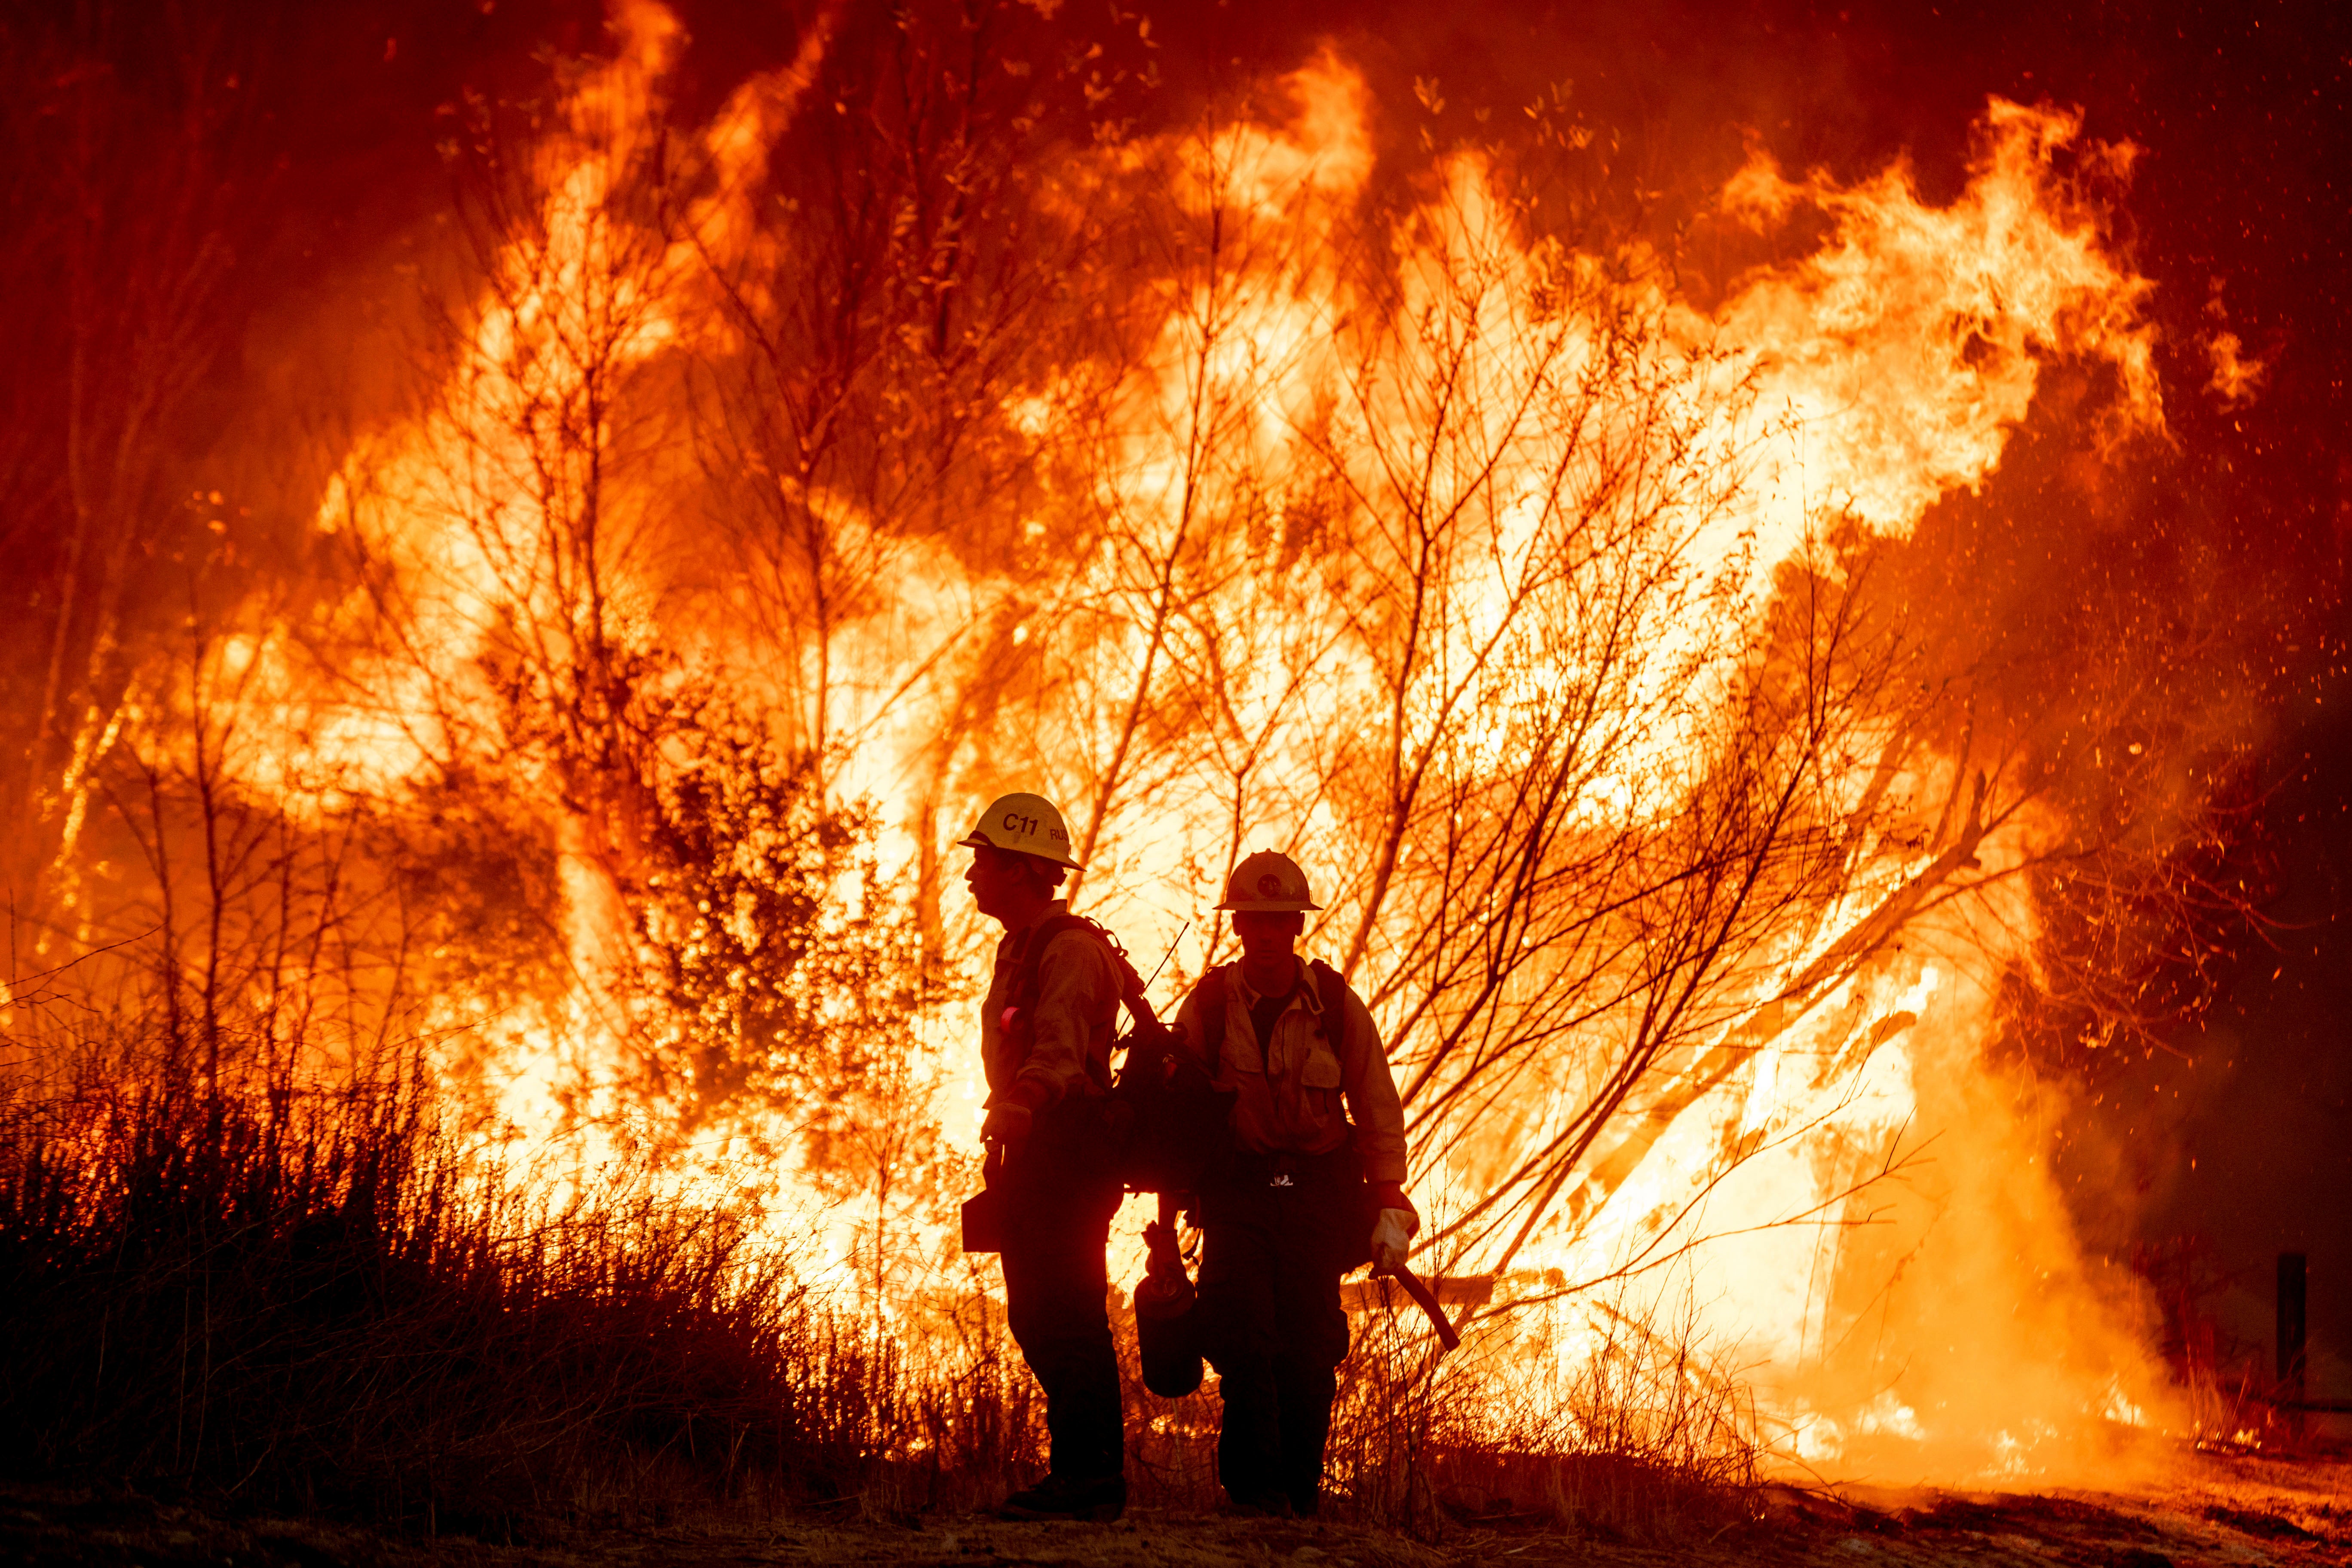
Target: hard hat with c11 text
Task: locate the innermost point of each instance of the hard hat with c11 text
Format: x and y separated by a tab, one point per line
1025	823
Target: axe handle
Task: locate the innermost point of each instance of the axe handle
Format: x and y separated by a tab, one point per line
1427	1302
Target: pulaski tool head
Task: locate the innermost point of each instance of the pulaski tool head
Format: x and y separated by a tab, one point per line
1269	883
1026	825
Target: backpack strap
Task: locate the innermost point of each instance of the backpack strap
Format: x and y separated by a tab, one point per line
1026	980
1332	992
1331	989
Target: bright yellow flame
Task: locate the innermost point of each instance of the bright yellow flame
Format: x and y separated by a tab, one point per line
1883	371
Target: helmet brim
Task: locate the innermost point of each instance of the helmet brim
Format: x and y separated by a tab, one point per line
981	840
1267	906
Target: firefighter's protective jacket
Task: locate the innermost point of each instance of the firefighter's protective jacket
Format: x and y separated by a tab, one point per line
1292	1088
1069	1029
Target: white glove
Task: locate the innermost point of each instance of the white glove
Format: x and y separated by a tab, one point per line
1392	1239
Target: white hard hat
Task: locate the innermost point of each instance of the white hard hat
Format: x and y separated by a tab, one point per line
1025	823
1269	883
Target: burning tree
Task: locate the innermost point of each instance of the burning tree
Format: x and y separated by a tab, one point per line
1654	803
123	228
1685	789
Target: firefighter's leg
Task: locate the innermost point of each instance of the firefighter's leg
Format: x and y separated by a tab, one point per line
1054	1284
1313	1343
1237	1304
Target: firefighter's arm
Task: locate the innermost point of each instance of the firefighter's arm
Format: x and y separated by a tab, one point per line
1372	1102
1379	1115
1076	986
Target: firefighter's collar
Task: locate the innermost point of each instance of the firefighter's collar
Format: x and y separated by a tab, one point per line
1302	985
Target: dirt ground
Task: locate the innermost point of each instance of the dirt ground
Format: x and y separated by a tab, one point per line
2214	1510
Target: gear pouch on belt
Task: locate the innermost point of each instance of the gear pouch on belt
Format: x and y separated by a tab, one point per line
983	1212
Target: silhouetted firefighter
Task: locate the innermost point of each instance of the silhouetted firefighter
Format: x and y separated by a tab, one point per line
1053	1148
1298	1194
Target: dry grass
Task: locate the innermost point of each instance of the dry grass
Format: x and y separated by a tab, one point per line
2229	1384
1637	1433
317	1301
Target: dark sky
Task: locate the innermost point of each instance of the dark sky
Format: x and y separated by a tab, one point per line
2239	212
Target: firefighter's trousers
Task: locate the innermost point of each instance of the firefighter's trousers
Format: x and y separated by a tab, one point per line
1271	1321
1057	1224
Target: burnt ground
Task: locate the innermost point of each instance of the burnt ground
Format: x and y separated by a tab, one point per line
2239	1512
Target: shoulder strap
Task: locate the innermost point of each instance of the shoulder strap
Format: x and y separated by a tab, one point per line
1041	937
1332	991
1214	991
1033	955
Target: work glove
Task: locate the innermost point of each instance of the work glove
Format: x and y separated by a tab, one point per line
1007	1124
1393	1232
1391	1195
1391	1240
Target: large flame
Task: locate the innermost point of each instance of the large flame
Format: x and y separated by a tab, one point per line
1319	512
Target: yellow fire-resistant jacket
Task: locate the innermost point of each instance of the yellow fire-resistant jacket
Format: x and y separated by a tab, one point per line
1292	1088
1072	1027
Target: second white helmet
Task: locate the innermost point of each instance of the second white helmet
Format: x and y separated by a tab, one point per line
1269	883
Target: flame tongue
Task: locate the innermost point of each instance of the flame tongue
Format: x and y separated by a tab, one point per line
1462	508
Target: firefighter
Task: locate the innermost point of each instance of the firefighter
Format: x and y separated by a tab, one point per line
1048	1066
1311	1183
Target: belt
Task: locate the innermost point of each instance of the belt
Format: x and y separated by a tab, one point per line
1288	1168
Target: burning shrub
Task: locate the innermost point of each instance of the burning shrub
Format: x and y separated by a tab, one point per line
1638	1430
781	968
313	1297
290	1294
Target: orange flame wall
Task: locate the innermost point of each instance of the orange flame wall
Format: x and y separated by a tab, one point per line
1554	618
